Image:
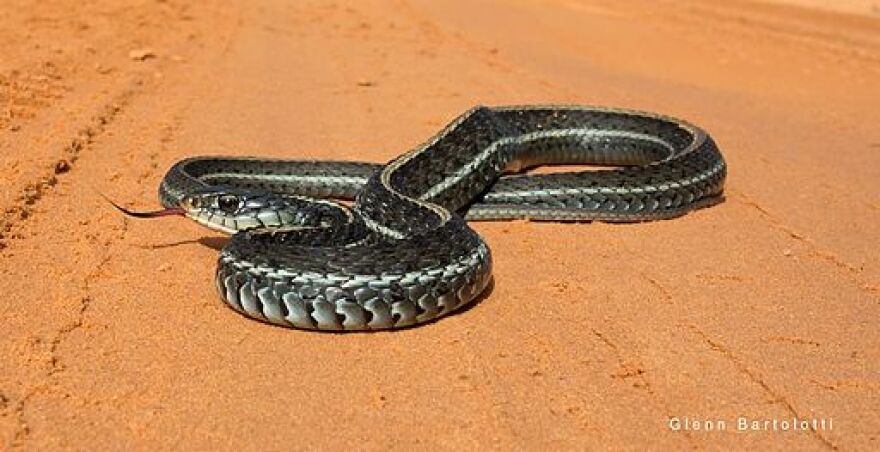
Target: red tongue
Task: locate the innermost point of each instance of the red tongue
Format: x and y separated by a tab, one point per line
153	214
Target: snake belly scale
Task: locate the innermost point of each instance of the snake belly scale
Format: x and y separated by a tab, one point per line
402	253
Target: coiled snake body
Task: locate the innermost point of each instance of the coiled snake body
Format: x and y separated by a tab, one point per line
403	254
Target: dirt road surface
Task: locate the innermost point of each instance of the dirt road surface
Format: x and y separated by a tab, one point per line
765	307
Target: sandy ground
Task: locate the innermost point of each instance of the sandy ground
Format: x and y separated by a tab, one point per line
764	307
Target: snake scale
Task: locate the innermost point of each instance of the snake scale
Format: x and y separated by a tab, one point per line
402	253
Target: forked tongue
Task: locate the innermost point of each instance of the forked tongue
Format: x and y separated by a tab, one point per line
152	214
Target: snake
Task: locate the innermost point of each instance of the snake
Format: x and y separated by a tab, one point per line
358	246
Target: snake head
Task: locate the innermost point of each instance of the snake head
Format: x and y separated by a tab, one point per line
231	211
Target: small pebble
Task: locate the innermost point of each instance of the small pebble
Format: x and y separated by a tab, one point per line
366	83
62	166
141	54
787	252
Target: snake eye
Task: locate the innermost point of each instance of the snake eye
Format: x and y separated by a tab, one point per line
228	203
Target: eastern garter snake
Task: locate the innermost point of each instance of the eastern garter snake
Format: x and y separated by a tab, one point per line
402	254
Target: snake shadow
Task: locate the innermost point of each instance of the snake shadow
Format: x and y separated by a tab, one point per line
216	243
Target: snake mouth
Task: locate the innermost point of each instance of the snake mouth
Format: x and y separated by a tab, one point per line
152	214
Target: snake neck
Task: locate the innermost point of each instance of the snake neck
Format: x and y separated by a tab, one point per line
338	227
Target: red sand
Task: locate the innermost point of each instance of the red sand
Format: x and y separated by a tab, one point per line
595	335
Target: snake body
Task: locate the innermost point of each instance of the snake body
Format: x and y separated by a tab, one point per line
403	253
